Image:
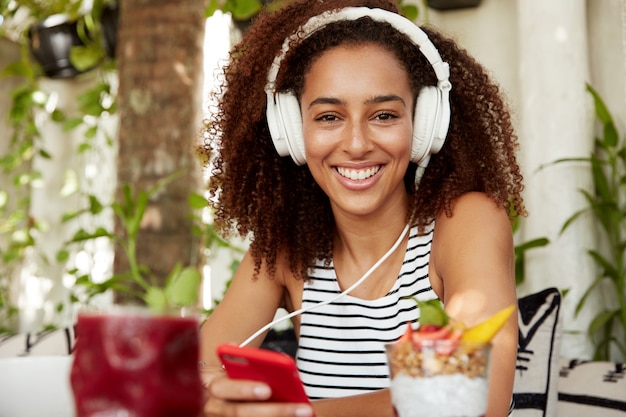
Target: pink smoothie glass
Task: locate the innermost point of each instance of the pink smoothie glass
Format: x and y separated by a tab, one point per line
136	364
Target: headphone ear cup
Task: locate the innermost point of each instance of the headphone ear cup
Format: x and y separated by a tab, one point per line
427	107
292	122
285	124
276	126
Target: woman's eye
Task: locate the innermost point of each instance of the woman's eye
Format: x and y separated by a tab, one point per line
385	116
326	118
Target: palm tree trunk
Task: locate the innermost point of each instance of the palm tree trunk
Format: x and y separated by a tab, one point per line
159	56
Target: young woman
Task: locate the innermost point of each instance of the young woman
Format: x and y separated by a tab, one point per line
338	143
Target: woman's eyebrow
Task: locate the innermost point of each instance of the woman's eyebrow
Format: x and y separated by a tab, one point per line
326	100
384	99
374	100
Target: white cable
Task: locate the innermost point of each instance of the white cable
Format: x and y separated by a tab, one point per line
323	303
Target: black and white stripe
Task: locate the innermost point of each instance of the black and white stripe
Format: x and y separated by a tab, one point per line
342	345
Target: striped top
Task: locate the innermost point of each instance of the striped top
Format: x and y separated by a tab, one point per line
342	345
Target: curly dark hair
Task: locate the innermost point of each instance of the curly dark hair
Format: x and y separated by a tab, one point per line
277	203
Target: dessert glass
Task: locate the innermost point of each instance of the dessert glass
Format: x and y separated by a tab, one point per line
439	378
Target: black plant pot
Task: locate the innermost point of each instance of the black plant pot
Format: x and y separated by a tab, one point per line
50	42
452	4
109	21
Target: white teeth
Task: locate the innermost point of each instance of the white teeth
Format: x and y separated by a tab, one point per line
358	174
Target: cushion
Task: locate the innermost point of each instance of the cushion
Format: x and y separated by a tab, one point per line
535	391
44	343
592	389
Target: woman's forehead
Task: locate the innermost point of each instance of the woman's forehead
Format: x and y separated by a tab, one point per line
369	69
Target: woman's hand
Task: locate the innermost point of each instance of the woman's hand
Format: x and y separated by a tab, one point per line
230	397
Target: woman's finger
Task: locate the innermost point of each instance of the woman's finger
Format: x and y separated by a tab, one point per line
239	390
218	408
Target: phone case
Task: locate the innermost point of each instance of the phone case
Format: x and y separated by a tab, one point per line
276	369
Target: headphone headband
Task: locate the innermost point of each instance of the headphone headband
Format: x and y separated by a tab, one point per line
400	23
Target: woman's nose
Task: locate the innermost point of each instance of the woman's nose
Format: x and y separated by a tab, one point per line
358	140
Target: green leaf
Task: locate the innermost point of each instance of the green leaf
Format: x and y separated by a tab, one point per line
588	291
609	269
84	147
70	124
572	218
245	9
601	319
534	243
431	312
601	110
410	11
611	136
212	7
197	202
600	181
184	288
95	207
16	69
58	116
62	256
82	235
156	299
45	154
91	132
86	57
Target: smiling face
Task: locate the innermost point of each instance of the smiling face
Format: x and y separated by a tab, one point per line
357	112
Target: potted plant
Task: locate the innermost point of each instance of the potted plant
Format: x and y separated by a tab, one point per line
63	37
51	41
607	205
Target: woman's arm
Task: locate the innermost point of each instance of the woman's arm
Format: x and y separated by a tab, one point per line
249	304
472	270
375	404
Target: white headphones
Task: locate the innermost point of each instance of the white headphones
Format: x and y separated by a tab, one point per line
432	109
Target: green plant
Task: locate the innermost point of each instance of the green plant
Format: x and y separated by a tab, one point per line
239	9
18	228
40	9
30	104
182	284
607	205
520	252
242	10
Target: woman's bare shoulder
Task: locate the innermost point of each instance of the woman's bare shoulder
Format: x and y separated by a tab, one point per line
472	210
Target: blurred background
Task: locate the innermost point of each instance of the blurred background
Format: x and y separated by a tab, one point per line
125	108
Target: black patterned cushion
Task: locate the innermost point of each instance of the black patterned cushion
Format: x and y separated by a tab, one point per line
535	392
592	389
43	343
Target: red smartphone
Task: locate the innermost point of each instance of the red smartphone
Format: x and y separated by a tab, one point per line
276	369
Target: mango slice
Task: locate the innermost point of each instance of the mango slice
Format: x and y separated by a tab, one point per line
483	332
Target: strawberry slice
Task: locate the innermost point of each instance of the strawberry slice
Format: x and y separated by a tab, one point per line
451	342
432	334
429	328
407	336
